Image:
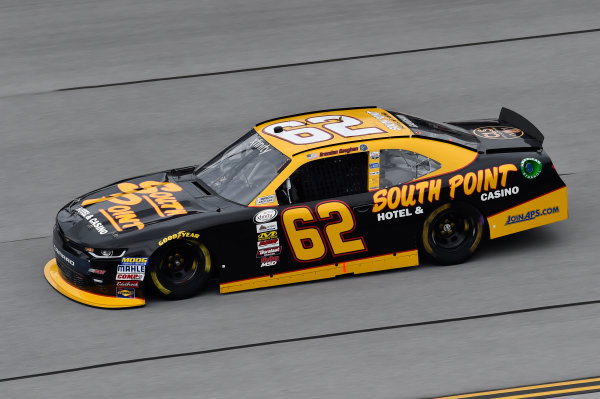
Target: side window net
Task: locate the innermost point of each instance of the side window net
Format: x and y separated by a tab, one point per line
400	166
327	178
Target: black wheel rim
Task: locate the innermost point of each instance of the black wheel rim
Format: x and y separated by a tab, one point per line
450	230
180	264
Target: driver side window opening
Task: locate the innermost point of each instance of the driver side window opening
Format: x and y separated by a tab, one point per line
326	178
400	166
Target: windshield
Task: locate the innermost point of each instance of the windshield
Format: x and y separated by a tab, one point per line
242	170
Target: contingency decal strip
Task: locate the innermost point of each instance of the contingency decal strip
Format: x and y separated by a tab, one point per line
365	265
563	388
54	277
545	209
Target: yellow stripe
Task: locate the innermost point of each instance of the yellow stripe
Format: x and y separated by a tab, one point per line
156	208
556	198
560	391
54	277
366	265
527	388
111	220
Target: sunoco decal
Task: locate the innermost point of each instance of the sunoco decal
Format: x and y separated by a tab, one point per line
128	293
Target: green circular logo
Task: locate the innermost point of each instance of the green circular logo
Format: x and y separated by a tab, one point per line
531	168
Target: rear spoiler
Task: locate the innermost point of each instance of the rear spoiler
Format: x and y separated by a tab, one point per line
512	118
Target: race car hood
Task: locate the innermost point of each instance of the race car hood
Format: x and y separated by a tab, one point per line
134	204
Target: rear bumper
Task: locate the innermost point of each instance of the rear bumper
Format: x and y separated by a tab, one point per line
545	209
55	278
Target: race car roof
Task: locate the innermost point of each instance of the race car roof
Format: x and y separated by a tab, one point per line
298	133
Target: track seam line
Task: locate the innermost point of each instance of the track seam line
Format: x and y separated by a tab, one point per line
24	239
332	60
300	339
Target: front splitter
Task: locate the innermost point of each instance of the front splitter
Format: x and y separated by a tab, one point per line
56	280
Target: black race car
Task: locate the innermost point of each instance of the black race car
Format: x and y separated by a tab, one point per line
308	197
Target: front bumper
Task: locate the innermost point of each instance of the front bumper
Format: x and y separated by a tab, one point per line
56	279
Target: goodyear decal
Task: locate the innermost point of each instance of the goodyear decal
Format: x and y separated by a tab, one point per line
176	236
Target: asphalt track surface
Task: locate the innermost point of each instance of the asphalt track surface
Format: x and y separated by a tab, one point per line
399	334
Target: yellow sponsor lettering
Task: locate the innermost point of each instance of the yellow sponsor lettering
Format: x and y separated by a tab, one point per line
435	188
409	194
394	197
491	179
504	169
408	198
421	187
470	183
455	182
380	200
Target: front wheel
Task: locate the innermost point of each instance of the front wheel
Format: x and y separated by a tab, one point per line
180	270
452	233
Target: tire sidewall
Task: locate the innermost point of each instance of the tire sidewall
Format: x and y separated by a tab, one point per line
166	289
444	256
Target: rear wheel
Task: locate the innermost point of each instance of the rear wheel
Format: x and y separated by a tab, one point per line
180	270
452	233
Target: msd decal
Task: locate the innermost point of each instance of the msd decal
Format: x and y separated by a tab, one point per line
269	261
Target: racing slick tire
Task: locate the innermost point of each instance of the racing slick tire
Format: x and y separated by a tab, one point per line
180	270
452	233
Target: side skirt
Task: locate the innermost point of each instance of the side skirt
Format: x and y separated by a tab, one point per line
366	265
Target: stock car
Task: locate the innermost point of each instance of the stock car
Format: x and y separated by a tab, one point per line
307	197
